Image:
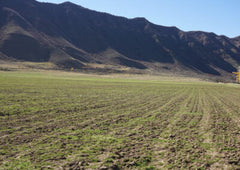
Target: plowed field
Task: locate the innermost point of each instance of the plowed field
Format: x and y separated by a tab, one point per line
51	121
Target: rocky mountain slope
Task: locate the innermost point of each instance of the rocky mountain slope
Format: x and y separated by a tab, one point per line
72	36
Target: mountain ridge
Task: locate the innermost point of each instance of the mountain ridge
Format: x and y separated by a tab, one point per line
70	35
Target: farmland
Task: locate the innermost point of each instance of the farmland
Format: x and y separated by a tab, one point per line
71	121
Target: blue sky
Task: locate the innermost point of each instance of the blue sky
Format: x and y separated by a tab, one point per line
219	16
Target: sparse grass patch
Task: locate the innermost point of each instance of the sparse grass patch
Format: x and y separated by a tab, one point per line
70	120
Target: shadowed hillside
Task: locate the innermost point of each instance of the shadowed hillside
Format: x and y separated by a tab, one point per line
72	36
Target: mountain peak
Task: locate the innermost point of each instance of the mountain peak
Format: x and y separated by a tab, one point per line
68	36
238	37
140	19
70	4
67	3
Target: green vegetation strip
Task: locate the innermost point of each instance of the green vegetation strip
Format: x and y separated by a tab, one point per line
63	121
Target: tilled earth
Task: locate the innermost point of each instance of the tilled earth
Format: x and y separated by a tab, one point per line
79	122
